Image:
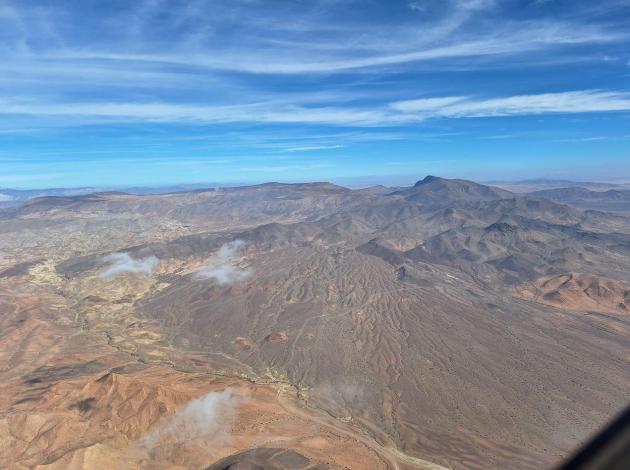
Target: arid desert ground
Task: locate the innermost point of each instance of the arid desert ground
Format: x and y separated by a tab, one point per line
444	325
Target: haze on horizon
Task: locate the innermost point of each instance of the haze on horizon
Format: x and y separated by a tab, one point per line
170	92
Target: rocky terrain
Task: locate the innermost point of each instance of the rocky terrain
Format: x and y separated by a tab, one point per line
584	292
446	325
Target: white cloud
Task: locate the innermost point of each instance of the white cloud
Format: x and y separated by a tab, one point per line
396	113
584	139
267	42
528	38
225	274
312	147
475	4
204	422
417	6
425	104
123	263
222	268
249	38
229	249
171	112
585	101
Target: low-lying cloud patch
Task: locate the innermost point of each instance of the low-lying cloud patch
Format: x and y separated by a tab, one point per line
123	263
225	274
204	423
222	267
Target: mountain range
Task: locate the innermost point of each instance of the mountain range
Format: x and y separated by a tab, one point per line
445	325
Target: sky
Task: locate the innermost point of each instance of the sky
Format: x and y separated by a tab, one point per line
160	92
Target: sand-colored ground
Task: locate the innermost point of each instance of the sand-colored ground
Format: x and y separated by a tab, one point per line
583	292
70	400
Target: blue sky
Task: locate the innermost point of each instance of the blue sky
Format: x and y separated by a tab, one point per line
157	92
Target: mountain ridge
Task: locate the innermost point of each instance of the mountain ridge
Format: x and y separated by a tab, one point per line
389	314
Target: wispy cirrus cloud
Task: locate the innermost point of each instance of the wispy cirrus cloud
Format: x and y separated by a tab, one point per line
192	113
203	80
426	104
309	148
303	39
53	52
386	114
294	61
585	101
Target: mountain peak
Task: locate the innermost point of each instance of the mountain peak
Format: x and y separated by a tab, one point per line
428	179
441	191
